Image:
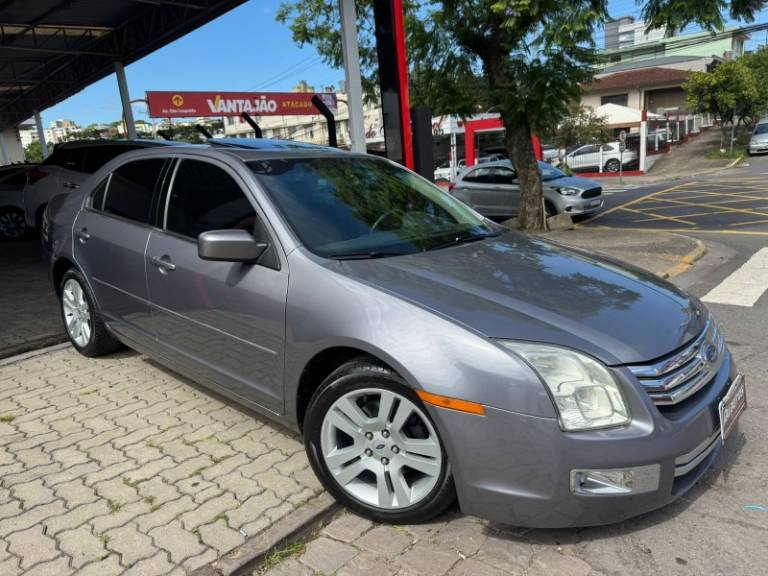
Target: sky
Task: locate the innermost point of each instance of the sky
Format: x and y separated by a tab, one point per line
245	49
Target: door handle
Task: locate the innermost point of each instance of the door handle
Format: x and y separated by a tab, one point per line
163	263
83	235
71	185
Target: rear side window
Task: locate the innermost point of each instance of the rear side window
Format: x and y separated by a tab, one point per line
97	196
131	188
204	197
97	156
69	158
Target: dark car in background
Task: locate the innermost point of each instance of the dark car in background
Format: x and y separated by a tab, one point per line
67	167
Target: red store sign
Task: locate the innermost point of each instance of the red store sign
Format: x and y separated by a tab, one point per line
193	104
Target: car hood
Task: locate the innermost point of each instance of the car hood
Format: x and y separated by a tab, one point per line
573	182
520	288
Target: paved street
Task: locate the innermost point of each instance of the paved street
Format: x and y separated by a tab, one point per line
116	466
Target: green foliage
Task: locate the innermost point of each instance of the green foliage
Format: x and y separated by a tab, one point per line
730	91
34	152
582	126
757	62
524	59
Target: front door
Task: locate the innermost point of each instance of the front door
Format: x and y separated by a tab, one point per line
110	235
224	322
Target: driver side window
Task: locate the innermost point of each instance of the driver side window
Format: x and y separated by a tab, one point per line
204	197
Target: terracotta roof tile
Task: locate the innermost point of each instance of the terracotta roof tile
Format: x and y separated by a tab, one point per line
634	78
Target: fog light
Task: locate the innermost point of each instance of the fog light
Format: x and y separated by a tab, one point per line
615	482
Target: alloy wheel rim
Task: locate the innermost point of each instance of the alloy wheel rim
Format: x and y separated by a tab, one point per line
77	313
12	224
381	448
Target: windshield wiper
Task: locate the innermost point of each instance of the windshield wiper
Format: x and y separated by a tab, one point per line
463	239
365	255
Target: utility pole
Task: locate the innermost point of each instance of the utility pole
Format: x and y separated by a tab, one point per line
352	75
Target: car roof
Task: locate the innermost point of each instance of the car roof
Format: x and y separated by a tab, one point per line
106	142
267	144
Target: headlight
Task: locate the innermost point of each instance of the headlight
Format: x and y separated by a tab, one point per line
567	191
585	393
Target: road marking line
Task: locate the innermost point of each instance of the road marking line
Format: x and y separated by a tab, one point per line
660	216
715	207
686	230
630	203
745	286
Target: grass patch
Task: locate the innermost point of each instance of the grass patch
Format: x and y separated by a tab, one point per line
7	418
104	538
114	507
131	483
280	554
149	500
222	517
716	154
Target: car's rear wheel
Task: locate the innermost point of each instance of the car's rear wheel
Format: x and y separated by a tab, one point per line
375	448
12	223
612	165
82	320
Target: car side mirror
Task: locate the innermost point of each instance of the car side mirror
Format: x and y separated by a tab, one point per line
230	246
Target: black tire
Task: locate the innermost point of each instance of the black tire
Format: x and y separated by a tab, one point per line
612	165
15	228
359	374
101	341
549	209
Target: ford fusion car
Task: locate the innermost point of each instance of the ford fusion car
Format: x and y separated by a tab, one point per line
424	352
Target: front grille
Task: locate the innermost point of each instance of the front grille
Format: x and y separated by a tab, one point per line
681	375
591	193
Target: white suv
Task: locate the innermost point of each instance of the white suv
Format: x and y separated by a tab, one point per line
70	164
589	158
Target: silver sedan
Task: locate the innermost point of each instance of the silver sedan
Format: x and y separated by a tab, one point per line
493	189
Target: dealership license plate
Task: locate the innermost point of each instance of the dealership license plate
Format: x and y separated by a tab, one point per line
732	405
594	203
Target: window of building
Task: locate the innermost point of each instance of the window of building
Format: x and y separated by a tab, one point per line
620	99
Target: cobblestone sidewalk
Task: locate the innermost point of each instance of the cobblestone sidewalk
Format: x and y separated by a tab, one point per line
115	466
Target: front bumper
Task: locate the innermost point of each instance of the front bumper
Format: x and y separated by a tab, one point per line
758	148
516	469
579	206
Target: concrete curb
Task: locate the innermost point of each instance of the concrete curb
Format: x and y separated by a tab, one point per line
32	345
296	526
686	261
35	351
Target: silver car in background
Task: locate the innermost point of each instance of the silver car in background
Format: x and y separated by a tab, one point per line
758	143
424	352
494	191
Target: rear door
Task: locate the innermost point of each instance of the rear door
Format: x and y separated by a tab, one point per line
222	321
110	238
506	193
475	188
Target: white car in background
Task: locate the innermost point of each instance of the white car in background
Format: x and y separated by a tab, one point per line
443	172
589	158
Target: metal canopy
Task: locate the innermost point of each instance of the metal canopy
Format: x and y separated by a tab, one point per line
51	49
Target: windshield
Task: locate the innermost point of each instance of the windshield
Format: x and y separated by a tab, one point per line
549	172
353	206
761	128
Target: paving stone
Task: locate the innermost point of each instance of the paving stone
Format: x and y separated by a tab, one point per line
126	513
370	563
291	567
208	511
81	545
388	541
326	555
32	546
505	554
74	493
552	563
75	517
31	517
251	509
463	534
200	560
154	566
429	559
220	537
57	567
179	542
282	486
347	527
109	566
243	488
472	567
130	544
33	493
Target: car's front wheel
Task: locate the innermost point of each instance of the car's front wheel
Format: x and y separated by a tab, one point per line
375	448
82	320
612	165
12	223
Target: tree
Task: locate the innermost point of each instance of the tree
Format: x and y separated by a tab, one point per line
729	93
525	59
757	62
583	126
34	152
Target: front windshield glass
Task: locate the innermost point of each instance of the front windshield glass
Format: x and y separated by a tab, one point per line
761	128
549	172
347	206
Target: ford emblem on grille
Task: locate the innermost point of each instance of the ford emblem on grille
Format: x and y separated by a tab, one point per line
709	353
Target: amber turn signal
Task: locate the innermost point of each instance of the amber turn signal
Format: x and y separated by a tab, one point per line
451	403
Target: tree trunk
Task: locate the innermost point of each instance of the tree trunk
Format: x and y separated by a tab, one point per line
520	150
